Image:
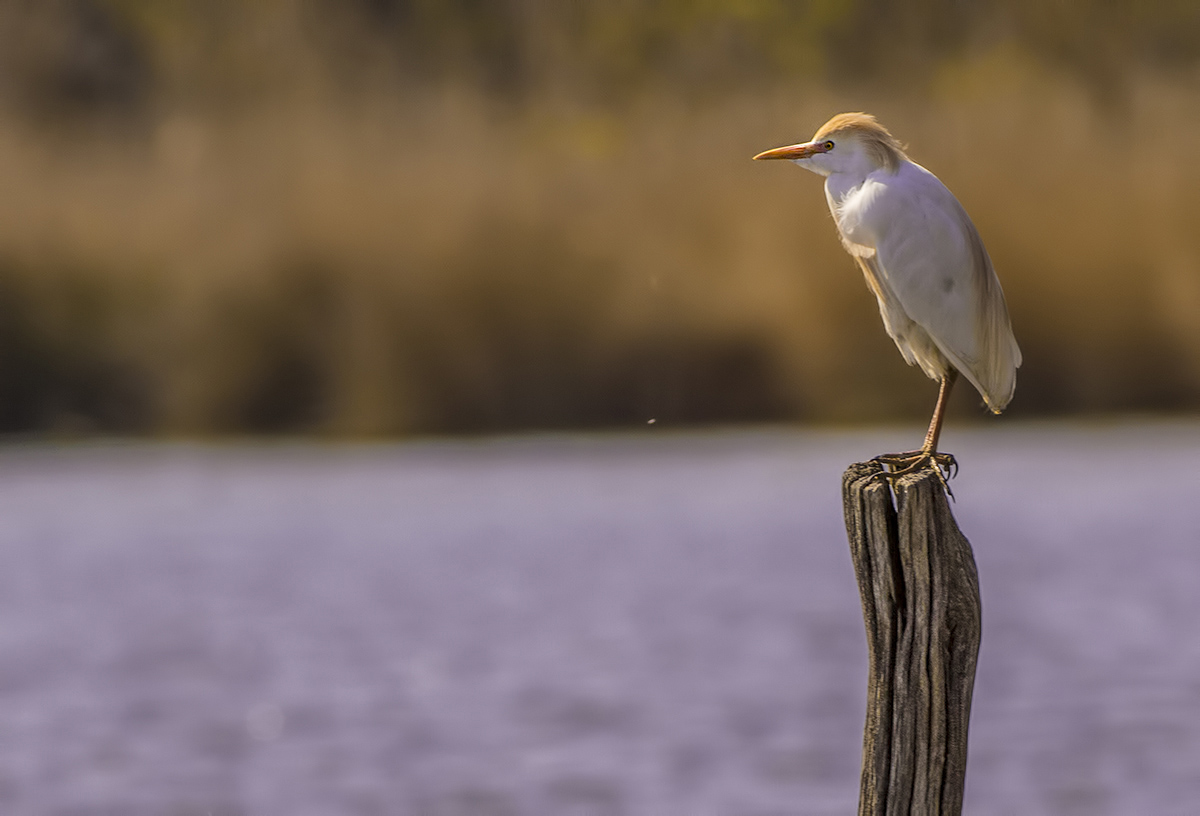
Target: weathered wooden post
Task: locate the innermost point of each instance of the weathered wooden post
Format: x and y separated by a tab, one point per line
920	597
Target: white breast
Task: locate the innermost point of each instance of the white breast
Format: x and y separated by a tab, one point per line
938	295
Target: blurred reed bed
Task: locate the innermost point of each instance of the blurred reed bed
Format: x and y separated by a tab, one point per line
443	256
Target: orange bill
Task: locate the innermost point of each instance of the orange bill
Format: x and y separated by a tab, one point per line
793	152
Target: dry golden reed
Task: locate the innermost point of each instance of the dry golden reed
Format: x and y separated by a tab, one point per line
434	260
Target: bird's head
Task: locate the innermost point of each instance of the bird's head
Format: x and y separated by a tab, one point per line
847	143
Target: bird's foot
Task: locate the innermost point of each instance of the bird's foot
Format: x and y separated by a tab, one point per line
901	464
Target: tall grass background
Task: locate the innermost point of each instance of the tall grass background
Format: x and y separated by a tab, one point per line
388	218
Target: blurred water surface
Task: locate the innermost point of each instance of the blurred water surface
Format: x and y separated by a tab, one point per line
574	626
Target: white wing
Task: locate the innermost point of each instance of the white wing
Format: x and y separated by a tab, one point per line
939	296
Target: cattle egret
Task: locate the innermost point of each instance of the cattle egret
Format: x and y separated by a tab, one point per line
922	257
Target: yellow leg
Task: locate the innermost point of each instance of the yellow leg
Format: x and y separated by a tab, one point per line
945	464
939	412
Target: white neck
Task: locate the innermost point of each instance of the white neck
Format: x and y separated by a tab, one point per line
843	181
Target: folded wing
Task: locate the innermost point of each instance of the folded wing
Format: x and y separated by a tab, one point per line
936	287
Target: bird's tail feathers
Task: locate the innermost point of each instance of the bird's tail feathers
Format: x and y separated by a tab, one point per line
1001	356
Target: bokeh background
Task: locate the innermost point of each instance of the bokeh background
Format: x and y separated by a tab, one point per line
375	218
398	223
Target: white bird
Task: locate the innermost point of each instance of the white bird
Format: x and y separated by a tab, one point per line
922	257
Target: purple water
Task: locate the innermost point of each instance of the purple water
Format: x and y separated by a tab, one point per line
575	626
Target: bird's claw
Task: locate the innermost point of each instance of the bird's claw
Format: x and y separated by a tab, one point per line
901	464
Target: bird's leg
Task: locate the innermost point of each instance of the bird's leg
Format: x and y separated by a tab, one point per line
944	463
939	413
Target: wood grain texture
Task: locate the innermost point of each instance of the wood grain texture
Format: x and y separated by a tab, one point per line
920	597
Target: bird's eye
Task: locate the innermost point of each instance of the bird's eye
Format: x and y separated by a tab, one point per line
828	146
